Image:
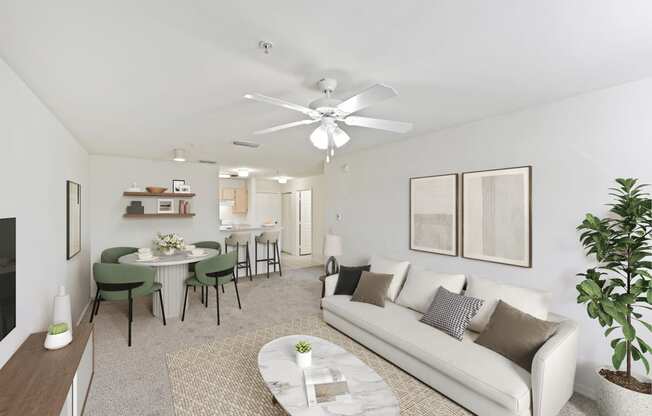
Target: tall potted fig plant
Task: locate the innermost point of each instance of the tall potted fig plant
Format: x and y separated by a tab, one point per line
618	293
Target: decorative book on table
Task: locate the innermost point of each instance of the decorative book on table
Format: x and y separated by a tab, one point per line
325	385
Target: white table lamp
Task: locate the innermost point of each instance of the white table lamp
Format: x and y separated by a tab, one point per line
332	248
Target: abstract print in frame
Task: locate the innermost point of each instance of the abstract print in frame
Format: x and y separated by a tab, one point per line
73	219
497	216
433	214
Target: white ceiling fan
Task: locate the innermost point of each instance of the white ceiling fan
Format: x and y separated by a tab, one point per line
330	111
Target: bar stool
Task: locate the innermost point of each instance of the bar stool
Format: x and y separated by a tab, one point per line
240	241
266	239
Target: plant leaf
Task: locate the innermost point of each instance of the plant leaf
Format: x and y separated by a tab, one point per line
629	332
619	354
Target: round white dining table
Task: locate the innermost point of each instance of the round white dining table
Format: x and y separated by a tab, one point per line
171	272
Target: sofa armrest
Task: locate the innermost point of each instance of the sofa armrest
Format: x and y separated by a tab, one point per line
553	371
330	283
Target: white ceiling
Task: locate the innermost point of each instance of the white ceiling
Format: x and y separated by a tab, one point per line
139	78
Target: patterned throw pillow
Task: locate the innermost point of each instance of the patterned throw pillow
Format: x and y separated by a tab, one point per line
451	312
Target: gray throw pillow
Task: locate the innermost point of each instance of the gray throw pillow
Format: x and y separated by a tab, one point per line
372	288
451	312
515	334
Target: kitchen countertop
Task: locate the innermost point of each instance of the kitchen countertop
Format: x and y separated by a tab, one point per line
248	227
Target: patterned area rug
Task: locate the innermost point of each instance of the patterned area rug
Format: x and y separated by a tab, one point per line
222	378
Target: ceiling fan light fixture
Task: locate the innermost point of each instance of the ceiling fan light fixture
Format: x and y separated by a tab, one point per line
282	180
319	137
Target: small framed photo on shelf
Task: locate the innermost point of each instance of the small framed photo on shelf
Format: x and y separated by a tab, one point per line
178	184
165	206
185	188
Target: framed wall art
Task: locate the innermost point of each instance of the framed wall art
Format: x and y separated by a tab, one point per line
433	214
73	219
497	216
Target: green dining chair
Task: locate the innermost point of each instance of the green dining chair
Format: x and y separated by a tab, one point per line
111	255
191	267
215	271
124	282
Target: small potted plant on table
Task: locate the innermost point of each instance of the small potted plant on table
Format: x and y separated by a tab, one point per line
304	354
618	291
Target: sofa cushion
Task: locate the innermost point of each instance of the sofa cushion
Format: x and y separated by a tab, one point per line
387	266
532	302
451	312
421	286
372	288
348	279
479	368
515	334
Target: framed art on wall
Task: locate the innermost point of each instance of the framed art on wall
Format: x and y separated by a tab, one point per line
433	214
178	184
497	216
73	219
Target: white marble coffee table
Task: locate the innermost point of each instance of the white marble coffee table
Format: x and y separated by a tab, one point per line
370	394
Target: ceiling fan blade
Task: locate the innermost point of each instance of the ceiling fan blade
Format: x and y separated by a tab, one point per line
377	123
286	104
285	126
371	95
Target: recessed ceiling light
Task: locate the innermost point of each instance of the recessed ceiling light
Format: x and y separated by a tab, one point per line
243	172
282	179
179	155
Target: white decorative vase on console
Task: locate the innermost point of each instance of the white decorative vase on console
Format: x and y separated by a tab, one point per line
614	400
304	359
168	251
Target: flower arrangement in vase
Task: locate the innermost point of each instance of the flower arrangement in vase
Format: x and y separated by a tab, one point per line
168	243
304	354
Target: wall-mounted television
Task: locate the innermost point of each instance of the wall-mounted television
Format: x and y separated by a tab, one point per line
7	276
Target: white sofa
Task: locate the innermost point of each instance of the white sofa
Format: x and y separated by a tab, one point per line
475	377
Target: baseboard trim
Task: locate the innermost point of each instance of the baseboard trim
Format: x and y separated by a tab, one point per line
585	391
83	312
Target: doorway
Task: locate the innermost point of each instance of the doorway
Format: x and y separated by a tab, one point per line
296	213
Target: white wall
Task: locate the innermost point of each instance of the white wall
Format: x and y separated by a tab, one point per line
38	155
110	176
318	186
576	147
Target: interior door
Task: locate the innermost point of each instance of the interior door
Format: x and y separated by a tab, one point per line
305	222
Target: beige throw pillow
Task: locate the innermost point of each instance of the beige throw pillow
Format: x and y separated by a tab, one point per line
372	288
515	334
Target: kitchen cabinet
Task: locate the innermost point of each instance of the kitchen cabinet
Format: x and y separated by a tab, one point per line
241	201
228	194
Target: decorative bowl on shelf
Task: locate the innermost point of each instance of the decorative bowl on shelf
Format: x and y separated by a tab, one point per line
156	189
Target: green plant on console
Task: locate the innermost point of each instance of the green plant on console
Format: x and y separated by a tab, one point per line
303	347
620	286
56	329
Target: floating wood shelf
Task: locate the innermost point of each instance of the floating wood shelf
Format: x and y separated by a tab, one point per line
161	195
158	215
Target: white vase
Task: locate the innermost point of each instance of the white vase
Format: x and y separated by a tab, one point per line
54	342
61	312
168	251
614	400
304	359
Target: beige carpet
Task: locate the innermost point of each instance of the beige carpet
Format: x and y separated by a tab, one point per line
222	378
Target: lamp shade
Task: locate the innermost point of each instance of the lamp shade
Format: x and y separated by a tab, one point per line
332	245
